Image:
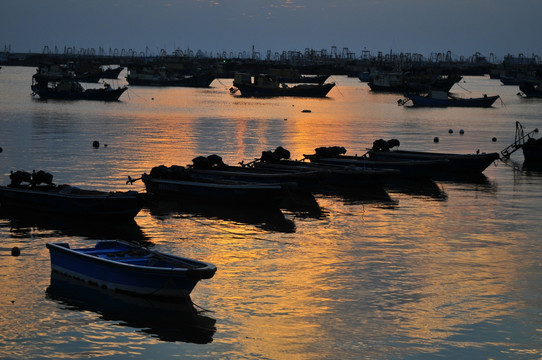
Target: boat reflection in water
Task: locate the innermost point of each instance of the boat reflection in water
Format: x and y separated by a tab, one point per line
167	320
420	187
22	221
269	219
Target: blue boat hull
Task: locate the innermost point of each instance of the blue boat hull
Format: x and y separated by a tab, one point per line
130	274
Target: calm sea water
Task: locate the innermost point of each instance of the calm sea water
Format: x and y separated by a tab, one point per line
442	270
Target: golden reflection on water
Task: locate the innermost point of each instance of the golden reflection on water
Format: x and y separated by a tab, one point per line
415	275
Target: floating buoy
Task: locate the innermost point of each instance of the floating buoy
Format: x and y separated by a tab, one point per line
285	119
436	139
1	149
15	251
152	98
306	111
96	144
450	131
494	139
461	132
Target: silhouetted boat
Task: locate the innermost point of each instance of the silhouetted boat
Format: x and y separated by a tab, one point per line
178	182
532	150
444	99
129	268
212	167
404	168
402	81
72	90
161	76
457	163
266	86
69	201
530	90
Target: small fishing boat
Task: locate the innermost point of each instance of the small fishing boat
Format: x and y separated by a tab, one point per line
162	76
72	90
405	81
129	268
530	90
335	155
457	163
267	86
532	150
445	99
212	167
30	196
335	175
177	181
532	147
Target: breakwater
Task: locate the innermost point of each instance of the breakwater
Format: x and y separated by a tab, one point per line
307	62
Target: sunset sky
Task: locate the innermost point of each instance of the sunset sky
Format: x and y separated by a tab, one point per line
463	27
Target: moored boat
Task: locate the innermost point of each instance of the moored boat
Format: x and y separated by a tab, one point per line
445	99
212	167
72	90
129	268
176	181
457	163
335	155
266	86
162	76
65	200
530	90
532	150
335	175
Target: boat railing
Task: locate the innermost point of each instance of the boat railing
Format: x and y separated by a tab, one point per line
519	141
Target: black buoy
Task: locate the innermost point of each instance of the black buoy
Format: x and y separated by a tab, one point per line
1	149
96	144
461	132
436	139
494	139
15	251
450	131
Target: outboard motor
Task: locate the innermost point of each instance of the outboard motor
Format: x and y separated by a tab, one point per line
282	153
20	176
42	177
216	160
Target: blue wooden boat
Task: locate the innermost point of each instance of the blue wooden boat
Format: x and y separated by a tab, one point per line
70	201
124	267
444	99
